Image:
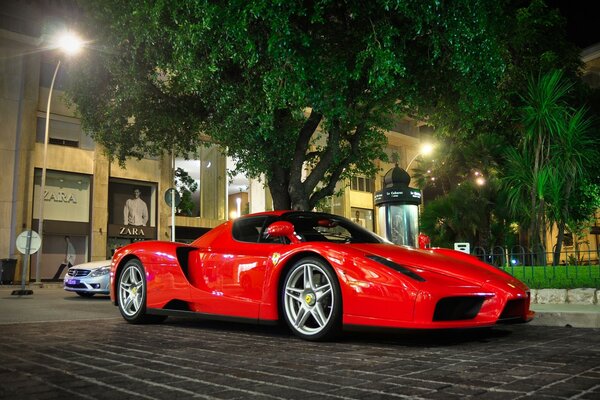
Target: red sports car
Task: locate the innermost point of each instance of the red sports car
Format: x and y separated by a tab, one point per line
317	272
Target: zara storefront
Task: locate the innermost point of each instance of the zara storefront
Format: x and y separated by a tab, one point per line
83	222
66	224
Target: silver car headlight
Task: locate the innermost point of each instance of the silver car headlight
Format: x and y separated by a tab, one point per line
100	271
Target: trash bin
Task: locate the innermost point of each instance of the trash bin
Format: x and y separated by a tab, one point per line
7	270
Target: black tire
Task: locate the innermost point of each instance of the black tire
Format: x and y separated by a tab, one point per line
131	294
311	300
85	294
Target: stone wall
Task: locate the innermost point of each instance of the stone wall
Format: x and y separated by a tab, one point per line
585	296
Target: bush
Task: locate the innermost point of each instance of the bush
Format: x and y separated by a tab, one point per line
558	277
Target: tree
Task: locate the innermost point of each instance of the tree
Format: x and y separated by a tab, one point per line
300	91
452	176
186	186
554	157
534	39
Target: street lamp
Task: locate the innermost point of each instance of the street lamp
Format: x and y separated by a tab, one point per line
70	44
426	149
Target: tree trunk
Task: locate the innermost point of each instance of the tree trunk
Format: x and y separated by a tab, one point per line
278	185
562	223
485	231
559	242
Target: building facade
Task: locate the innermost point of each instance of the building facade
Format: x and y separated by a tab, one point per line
98	204
91	205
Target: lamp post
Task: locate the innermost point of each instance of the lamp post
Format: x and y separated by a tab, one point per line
426	148
69	43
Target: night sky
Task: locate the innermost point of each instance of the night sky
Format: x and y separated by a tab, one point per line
583	20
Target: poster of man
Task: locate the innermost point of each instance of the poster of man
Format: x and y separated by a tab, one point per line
135	211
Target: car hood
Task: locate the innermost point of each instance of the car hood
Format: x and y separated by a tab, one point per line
93	264
443	261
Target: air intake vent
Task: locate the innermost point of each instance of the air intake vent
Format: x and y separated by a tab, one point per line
514	309
458	308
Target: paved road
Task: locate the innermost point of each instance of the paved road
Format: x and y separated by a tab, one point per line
76	356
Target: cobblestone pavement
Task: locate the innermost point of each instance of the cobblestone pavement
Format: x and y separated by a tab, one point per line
184	358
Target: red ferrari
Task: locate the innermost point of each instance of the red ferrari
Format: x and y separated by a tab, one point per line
318	272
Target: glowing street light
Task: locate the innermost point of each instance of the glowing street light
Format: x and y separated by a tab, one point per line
426	149
479	178
70	44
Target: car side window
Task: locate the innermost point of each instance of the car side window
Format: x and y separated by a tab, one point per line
248	229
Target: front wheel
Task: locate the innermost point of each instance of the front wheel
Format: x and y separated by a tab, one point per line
132	291
312	300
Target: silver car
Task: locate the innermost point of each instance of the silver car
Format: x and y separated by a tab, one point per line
88	279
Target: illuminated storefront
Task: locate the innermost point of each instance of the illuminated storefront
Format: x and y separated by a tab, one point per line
131	213
66	219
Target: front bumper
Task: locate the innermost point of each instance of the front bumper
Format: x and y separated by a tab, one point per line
97	285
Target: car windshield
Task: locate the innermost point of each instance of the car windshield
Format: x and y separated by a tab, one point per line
321	227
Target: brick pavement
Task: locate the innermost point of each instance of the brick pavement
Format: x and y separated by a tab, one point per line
183	359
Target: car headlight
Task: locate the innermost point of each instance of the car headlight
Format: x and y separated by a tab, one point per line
100	271
397	267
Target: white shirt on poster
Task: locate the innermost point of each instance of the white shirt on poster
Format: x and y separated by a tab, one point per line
135	212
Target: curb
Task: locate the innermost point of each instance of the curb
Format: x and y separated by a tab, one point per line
566	315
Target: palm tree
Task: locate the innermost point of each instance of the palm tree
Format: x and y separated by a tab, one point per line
572	153
543	118
555	150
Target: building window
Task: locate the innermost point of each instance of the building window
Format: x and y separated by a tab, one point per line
63	133
362	217
188	186
362	184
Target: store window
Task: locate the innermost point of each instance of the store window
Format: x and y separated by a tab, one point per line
362	217
66	224
188	186
66	196
131	212
203	178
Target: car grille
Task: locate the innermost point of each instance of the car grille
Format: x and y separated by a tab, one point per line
77	286
78	272
458	308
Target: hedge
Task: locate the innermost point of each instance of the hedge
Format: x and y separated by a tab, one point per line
558	277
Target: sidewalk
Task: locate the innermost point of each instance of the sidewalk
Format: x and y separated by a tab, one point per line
51	303
566	314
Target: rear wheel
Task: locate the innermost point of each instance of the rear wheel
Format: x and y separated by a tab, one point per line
132	292
312	301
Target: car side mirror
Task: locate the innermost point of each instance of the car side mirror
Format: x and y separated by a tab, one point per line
283	229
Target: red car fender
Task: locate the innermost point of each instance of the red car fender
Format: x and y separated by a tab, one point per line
368	288
164	277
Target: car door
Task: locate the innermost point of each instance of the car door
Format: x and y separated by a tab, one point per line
240	263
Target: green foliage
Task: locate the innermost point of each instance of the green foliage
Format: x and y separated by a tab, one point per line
558	277
186	186
553	161
535	41
281	85
464	215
